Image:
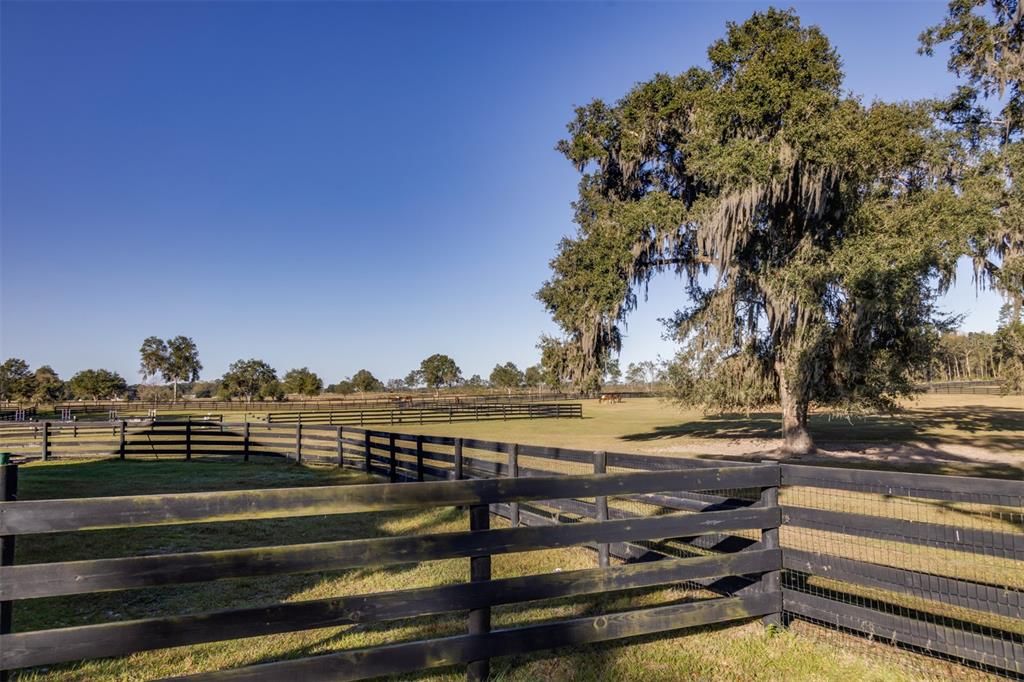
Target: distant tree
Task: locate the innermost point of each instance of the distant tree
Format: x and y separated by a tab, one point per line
302	382
343	387
506	376
395	385
364	382
153	393
16	380
247	379
1009	348
555	362
272	390
635	374
97	384
182	361
177	360
206	389
476	381
48	386
414	379
440	370
152	357
612	372
533	376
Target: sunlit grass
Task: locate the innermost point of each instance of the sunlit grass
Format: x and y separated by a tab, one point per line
741	652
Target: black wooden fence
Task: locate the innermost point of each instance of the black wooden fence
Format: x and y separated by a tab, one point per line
762	597
363	401
976	387
935	563
435	414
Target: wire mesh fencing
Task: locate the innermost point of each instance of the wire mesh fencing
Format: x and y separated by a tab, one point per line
933	563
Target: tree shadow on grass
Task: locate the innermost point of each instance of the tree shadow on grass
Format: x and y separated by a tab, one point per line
968	424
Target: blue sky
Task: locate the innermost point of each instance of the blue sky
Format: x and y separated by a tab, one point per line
336	185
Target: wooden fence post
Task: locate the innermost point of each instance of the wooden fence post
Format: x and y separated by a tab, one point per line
513	472
188	440
419	458
341	448
245	441
458	459
770	581
298	442
45	446
8	493
393	459
601	503
121	447
479	620
366	445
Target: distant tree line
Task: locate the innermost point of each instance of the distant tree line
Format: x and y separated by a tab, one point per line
176	363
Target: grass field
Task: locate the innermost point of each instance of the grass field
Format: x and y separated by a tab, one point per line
744	652
983	435
973	434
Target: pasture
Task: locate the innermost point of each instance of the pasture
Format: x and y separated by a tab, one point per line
745	652
980	435
934	435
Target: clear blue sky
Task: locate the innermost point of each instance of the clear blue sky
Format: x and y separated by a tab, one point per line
331	184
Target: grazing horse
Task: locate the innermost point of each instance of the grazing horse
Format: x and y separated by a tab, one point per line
609	398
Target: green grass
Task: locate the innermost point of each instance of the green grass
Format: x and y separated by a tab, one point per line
741	652
968	435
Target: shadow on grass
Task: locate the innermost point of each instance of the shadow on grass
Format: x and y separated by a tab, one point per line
912	440
982	424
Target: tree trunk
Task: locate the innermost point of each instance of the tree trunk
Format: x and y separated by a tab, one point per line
796	438
175	398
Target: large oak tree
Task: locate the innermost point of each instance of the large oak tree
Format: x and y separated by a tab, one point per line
808	228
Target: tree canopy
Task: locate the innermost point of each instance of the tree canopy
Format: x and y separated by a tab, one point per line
506	376
439	370
177	360
250	379
48	387
807	227
302	381
97	384
16	380
984	119
364	382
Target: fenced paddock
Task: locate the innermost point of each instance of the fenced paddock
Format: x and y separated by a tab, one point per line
933	563
366	401
432	414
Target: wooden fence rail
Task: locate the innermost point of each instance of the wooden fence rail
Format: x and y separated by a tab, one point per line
927	561
45	647
371	400
432	414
